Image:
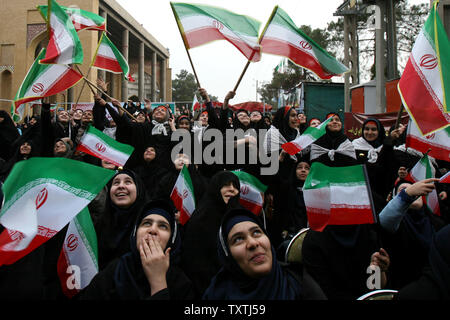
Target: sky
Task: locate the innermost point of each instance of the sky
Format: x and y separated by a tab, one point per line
219	64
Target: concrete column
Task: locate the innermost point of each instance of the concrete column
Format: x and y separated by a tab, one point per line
125	42
163	80
102	73
154	93
379	56
141	82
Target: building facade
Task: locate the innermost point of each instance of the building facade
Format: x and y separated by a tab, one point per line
23	33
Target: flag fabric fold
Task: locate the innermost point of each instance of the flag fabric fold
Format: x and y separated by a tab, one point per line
437	144
329	194
424	86
100	145
282	37
64	46
44	80
310	135
41	196
445	178
251	195
109	58
422	170
81	19
78	260
182	195
200	24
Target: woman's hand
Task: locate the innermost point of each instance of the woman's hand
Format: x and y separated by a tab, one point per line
155	263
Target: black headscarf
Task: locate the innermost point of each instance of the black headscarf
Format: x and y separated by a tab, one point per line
381	133
281	122
129	276
231	283
440	260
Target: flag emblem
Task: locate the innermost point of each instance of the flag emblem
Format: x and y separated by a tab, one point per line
305	45
428	61
100	147
37	88
244	190
217	25
41	198
72	242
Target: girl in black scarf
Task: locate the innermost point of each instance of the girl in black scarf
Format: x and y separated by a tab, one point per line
149	269
333	149
199	255
242	236
125	198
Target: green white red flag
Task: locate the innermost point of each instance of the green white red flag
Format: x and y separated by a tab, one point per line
64	46
44	80
41	196
182	195
100	145
282	37
81	19
251	195
421	171
78	260
109	58
200	24
425	83
445	178
310	135
437	144
337	196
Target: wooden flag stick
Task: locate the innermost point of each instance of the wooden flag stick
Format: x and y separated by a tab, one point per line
399	116
82	88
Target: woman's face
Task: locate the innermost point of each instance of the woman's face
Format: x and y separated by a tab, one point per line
63	116
159	114
180	160
335	125
315	123
155	226
184	124
251	249
370	131
59	148
123	191
140	118
204	119
25	148
228	191
243	118
302	171
77	114
255	116
301	117
149	154
293	119
87	116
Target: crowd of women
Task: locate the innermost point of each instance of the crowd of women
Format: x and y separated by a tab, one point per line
225	252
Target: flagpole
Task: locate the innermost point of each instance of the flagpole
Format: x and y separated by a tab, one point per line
82	88
185	45
399	115
259	42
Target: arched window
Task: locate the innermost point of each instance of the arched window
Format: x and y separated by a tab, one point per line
5	87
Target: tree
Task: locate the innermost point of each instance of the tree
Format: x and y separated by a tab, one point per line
184	87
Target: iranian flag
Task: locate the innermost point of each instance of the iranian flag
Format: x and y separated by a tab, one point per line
41	196
251	195
64	46
337	196
109	58
100	145
81	19
438	142
282	37
421	171
425	82
78	260
445	178
44	80
200	24
310	135
183	195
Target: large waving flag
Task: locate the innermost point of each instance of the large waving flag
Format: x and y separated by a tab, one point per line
81	19
64	46
182	195
310	135
109	58
100	145
251	195
421	171
200	24
425	83
437	143
44	80
337	196
41	196
79	251
282	37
